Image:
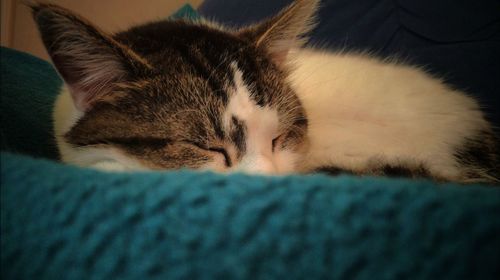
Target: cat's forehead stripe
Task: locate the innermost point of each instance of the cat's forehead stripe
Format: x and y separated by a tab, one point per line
258	124
203	65
238	134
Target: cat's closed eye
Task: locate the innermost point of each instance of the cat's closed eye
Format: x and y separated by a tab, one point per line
220	150
227	158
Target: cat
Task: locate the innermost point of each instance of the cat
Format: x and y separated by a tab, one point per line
193	94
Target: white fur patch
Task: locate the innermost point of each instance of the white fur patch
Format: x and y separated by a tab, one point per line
360	108
65	117
261	128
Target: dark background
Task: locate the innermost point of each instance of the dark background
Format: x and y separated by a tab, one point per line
458	40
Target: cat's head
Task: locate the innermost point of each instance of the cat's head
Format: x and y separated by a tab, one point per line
177	94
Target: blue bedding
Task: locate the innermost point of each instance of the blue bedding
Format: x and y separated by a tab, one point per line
64	222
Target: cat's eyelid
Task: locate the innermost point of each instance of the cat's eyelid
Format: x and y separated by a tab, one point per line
219	150
201	146
224	152
196	144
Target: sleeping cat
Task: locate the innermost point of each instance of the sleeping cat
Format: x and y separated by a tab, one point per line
179	94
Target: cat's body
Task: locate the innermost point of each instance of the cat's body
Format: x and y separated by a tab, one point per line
172	94
370	116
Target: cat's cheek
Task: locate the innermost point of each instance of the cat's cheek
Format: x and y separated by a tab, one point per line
286	161
110	166
102	158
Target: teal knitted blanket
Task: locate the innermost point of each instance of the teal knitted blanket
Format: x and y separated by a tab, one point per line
64	222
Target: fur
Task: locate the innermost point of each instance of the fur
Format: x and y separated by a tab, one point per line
364	113
177	94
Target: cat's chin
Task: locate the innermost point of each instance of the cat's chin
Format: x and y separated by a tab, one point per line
110	166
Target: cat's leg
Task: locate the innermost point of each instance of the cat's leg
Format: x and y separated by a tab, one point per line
379	168
479	158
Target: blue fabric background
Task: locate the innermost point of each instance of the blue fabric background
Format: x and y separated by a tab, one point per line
62	222
28	89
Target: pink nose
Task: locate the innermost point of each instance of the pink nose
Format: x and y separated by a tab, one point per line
259	165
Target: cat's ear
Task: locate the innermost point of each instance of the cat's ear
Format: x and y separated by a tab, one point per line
90	61
286	30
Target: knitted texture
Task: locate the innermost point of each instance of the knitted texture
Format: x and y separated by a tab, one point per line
61	222
28	89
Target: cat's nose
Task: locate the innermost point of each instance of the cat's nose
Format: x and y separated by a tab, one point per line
258	165
264	165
